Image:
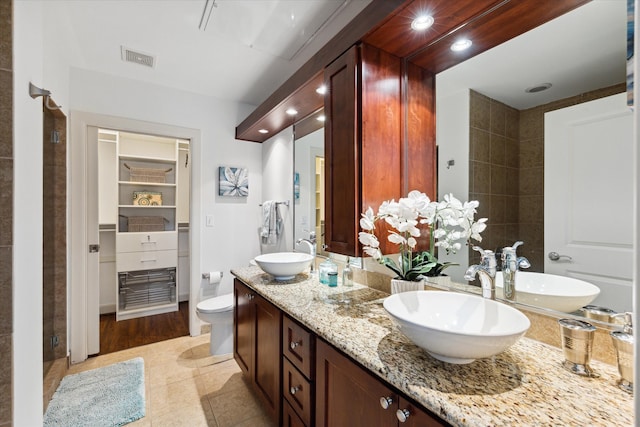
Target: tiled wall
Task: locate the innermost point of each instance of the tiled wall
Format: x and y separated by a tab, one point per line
506	170
6	211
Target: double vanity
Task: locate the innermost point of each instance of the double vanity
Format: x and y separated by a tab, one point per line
325	356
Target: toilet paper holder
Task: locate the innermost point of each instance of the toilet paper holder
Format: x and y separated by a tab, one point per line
207	276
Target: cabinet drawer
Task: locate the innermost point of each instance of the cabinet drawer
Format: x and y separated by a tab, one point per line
132	261
297	391
144	242
298	345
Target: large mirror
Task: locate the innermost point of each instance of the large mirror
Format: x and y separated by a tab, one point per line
308	189
581	53
502	145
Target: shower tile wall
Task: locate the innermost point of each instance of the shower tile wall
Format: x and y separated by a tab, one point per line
54	265
493	169
6	211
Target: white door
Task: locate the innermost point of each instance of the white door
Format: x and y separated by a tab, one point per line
588	193
93	235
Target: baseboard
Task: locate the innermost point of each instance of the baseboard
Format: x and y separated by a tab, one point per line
107	308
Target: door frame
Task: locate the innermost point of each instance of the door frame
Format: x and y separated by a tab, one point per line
77	224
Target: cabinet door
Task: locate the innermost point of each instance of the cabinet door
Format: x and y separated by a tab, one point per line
268	358
346	395
244	327
342	176
417	417
364	142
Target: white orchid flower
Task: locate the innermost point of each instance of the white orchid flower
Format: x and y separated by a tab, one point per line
367	222
368	239
396	238
373	252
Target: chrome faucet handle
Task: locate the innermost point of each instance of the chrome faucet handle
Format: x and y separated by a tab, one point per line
522	262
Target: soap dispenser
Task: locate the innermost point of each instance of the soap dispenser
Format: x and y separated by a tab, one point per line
623	343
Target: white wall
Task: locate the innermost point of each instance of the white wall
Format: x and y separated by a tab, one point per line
277	184
27	216
452	132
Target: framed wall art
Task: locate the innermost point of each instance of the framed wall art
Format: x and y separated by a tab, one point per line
233	182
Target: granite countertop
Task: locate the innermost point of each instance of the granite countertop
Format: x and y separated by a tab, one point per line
523	386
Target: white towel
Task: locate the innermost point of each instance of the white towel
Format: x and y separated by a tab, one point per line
271	223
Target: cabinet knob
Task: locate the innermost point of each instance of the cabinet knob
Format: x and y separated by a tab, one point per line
403	415
386	402
294	390
294	344
250	296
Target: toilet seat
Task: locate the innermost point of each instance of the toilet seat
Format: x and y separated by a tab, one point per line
216	305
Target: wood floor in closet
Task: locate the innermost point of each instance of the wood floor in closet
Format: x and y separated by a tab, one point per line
116	336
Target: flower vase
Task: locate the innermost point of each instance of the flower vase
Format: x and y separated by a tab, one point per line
399	285
440	282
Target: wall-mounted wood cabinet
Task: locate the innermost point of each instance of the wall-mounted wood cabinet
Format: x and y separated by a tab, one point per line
362	141
373	143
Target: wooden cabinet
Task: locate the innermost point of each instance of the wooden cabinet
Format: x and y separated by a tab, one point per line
346	394
374	145
298	370
304	381
362	141
257	341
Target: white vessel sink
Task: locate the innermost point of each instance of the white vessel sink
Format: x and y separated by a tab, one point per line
284	265
454	327
559	293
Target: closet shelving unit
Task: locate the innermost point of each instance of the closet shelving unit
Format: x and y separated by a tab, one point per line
146	230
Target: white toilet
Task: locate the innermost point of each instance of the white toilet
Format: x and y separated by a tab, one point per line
218	311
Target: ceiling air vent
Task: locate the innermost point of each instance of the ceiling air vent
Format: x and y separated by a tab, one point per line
129	55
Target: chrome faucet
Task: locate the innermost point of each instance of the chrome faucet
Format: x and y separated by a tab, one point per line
311	242
510	266
486	270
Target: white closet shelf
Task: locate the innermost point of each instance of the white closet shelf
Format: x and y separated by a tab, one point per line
147	184
148	207
167	160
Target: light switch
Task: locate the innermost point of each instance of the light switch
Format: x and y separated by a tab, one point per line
209	221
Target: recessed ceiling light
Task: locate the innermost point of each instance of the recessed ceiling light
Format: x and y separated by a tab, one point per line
263	131
461	45
538	88
322	90
292	111
321	118
422	22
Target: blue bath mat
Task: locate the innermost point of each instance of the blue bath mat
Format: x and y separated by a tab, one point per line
108	396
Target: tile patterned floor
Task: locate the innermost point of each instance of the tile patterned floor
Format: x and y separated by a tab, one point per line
185	386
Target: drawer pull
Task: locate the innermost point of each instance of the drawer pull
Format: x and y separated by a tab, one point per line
403	415
148	243
294	390
148	260
294	344
386	402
